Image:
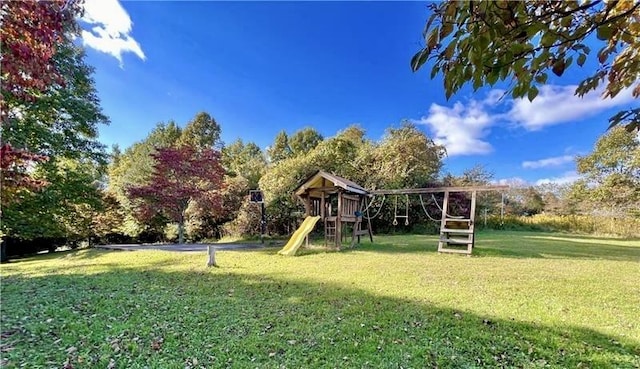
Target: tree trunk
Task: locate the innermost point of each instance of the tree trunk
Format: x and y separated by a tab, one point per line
181	231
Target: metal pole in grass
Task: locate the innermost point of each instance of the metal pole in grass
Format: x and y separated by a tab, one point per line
502	211
212	256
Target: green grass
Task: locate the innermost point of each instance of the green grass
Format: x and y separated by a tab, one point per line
525	300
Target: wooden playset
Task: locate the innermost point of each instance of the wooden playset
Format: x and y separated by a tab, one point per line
342	204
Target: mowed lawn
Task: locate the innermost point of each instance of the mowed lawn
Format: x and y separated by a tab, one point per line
524	300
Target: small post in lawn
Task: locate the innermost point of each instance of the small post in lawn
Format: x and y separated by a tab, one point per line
212	256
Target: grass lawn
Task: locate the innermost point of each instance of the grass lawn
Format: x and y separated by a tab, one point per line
525	300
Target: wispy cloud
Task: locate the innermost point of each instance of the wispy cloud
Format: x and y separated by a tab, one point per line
548	162
566	178
464	127
559	104
111	28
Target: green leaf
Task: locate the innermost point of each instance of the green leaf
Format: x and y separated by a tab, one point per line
434	71
515	93
448	53
484	41
568	62
548	39
541	78
477	82
446	30
419	59
558	67
492	77
581	59
432	40
451	9
533	92
604	32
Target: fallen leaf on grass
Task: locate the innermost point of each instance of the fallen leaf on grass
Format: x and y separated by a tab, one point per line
156	344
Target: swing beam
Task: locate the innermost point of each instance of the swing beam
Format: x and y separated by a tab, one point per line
413	191
457	235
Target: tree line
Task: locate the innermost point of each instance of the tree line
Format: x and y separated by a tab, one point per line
60	185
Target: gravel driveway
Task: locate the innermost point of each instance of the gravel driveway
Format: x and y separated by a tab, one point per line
186	247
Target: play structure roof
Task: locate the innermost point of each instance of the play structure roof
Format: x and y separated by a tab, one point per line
323	181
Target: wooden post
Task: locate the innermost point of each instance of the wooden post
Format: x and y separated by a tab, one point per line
369	221
307	206
472	217
322	205
443	221
339	221
212	256
445	207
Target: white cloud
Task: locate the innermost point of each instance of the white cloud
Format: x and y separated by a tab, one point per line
548	162
460	128
111	27
559	104
568	177
463	128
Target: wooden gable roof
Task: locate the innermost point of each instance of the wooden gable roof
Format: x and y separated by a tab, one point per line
323	181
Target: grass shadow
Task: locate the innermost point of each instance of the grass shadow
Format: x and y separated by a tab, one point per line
214	318
513	244
541	245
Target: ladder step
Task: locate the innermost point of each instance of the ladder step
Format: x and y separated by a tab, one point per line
459	241
452	230
457	220
455	251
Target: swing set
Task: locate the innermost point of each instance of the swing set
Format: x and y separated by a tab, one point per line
457	232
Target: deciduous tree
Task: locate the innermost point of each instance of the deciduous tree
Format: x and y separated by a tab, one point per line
611	173
280	149
304	140
244	160
522	42
30	34
181	176
202	132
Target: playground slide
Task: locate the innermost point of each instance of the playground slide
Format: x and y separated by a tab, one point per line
298	236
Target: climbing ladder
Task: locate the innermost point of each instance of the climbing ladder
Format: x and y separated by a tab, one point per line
330	231
457	235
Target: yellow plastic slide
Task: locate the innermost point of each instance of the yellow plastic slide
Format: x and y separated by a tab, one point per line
298	236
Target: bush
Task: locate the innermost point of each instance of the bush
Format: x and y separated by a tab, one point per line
625	227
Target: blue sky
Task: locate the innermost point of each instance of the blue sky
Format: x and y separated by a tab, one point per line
260	67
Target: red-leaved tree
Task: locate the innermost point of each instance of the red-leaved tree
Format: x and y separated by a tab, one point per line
31	31
30	34
181	175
